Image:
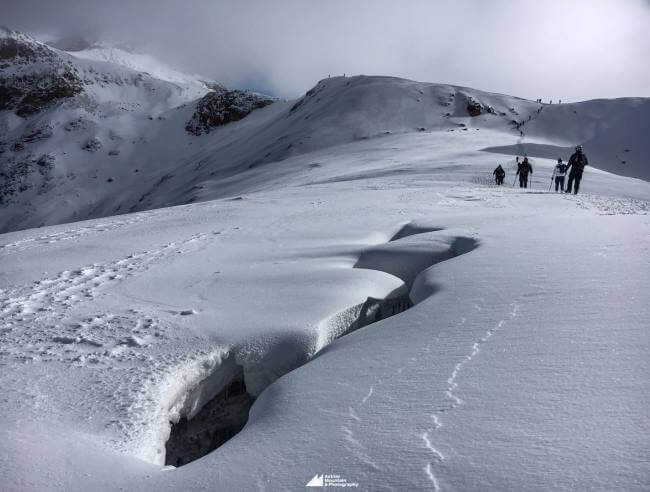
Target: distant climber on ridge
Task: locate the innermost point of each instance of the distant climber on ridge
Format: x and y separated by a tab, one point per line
577	163
499	174
523	170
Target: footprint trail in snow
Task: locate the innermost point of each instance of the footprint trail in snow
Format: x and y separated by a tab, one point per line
45	305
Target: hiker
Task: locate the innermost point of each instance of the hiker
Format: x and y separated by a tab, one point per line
499	175
559	173
523	170
577	163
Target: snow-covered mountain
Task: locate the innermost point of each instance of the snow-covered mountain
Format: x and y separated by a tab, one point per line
88	133
352	300
117	132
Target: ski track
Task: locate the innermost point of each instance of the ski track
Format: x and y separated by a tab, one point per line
452	385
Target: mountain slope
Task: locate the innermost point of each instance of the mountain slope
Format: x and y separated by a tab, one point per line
77	133
134	140
504	323
612	132
353	296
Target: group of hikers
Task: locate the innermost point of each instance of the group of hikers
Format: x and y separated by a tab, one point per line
576	164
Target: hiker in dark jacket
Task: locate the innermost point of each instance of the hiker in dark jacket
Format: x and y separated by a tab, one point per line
577	163
499	174
559	173
523	170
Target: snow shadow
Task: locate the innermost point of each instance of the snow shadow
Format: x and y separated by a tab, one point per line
543	151
218	420
410	252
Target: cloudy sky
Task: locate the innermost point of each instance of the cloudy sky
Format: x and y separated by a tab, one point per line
568	49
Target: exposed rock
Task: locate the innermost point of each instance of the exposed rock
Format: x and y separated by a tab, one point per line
41	91
37	131
18	47
92	145
46	160
78	124
223	106
474	108
18	175
32	75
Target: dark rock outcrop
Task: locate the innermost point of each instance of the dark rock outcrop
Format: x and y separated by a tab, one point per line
18	175
36	131
223	106
92	145
32	75
474	108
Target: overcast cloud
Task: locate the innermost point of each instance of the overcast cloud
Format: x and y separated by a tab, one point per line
568	49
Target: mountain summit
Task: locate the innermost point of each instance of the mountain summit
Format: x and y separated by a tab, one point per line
103	131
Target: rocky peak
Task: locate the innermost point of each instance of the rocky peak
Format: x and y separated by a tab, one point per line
16	47
33	76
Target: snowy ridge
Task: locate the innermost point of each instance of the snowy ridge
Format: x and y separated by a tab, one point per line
140	62
310	307
121	147
152	313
